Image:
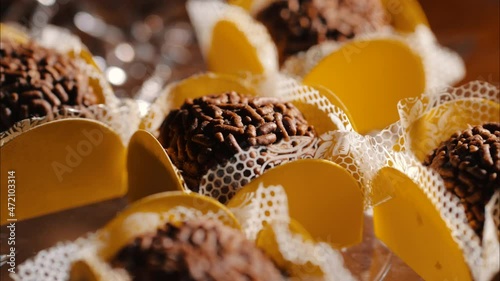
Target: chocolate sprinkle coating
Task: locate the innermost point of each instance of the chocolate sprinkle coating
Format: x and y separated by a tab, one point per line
196	250
297	25
469	163
37	82
209	130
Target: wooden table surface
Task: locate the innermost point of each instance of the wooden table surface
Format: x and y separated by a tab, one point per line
469	27
472	29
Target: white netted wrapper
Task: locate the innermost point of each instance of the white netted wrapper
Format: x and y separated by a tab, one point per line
442	66
204	14
121	115
223	180
54	264
474	96
477	101
123	119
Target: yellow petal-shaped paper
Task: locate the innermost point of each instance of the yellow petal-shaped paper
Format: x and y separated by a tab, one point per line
63	164
241	44
149	168
370	77
117	232
432	128
405	15
411	226
322	196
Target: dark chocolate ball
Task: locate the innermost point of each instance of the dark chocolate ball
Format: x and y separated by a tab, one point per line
210	130
37	82
195	251
297	25
469	163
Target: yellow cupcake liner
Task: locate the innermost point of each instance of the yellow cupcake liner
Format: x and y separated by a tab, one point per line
283	239
422	222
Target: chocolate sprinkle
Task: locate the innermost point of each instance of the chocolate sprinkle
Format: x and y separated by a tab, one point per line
37	82
469	163
209	130
297	25
196	250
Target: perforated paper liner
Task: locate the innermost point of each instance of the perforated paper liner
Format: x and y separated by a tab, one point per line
442	66
55	263
425	122
123	119
223	180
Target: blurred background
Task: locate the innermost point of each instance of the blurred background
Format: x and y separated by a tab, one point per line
152	41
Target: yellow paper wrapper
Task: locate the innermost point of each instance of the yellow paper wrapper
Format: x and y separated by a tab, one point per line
422	222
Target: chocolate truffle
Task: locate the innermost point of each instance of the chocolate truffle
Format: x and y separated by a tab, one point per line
297	25
37	82
469	163
210	130
195	250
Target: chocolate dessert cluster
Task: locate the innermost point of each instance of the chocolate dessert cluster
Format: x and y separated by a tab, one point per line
195	250
297	25
469	163
209	130
36	82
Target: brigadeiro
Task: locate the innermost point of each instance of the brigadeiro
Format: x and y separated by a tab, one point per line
469	163
195	250
38	82
297	25
211	129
